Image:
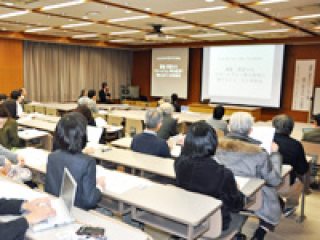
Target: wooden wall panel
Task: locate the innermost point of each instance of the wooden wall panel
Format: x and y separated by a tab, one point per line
11	65
142	63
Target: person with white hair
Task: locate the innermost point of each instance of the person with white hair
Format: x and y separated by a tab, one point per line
169	124
148	142
244	157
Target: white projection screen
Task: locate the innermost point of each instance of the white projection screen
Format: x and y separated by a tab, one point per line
170	72
245	75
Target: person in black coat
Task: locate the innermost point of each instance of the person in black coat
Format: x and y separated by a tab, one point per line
293	154
174	102
104	94
169	126
70	138
148	142
37	211
198	171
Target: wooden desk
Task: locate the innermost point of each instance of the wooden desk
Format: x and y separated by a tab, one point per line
115	230
229	109
124	142
165	207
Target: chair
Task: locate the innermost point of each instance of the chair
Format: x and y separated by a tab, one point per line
115	120
133	126
28	108
52	111
40	109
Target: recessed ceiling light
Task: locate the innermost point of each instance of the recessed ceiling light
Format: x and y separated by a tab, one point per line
264	2
198	10
204	35
90	35
239	23
85	17
266	9
128	11
177	28
240	11
147	9
268	31
305	16
77	25
124	32
14	14
128	18
4	29
8	3
62	5
31	30
121	40
209	1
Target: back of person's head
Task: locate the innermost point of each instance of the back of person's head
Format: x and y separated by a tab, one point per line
91	93
218	112
200	141
104	85
283	124
11	106
174	97
153	118
85	111
241	123
4	113
15	94
71	133
167	109
83	93
317	119
3	97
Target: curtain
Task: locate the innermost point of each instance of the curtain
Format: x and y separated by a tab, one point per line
57	73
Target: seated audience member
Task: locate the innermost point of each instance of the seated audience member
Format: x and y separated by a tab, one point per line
169	124
8	157
292	154
8	129
104	94
216	121
24	95
198	171
11	106
89	101
85	111
16	96
174	102
83	93
243	156
3	97
34	212
69	139
148	142
314	135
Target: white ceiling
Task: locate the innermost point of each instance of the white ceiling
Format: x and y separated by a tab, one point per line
217	24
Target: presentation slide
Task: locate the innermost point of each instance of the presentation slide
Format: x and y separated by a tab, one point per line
246	75
170	72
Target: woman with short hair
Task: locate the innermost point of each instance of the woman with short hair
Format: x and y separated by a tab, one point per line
198	171
70	138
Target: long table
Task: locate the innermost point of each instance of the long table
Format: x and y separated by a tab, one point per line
114	229
186	214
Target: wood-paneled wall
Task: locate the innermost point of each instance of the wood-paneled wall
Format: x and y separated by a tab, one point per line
11	65
142	76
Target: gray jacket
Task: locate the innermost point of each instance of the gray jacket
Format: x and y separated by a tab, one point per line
244	157
218	124
5	153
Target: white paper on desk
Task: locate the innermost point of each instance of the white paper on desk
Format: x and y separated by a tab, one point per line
94	134
33	156
103	112
119	183
24	119
263	134
112	129
241	181
31	133
12	190
100	122
176	150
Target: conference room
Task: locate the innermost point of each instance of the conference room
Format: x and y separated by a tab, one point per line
137	81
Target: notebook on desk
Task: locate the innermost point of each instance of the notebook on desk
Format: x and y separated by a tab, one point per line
62	205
